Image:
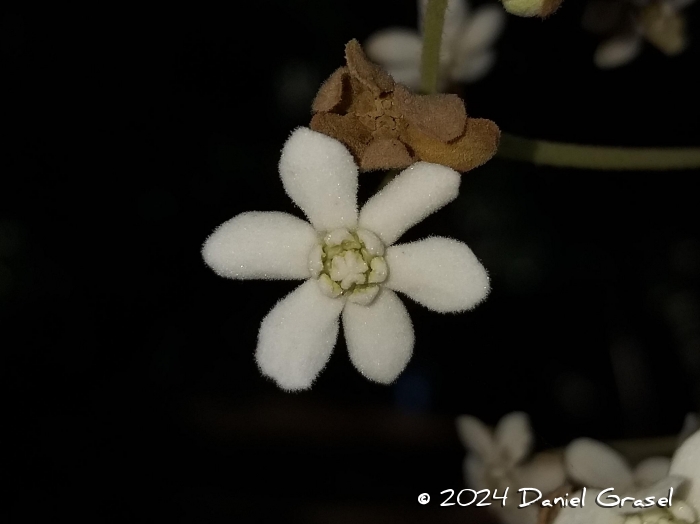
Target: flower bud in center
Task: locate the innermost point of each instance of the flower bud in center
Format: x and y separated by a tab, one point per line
349	264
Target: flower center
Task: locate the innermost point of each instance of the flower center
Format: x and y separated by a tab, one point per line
679	513
349	264
382	118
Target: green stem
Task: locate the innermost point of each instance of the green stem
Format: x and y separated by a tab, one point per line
542	152
433	21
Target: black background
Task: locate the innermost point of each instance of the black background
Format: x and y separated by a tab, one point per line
131	392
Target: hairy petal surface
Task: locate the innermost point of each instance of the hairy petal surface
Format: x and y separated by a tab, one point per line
414	194
319	174
269	245
594	464
440	273
297	337
686	463
514	434
379	337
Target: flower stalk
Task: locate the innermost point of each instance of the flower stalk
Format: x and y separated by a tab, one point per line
557	154
432	40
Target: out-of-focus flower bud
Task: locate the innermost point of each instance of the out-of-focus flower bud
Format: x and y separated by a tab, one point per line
541	8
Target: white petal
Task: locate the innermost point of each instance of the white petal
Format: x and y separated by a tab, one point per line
258	244
415	193
594	464
544	472
591	513
394	47
296	338
475	472
617	51
514	435
649	471
440	273
482	30
320	176
686	463
379	337
473	67
476	436
408	75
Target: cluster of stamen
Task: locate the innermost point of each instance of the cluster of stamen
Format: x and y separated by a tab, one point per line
349	264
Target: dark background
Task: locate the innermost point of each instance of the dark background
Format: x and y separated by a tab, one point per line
130	388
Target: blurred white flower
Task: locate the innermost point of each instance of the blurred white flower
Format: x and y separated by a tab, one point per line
684	477
466	54
596	465
626	24
350	262
499	458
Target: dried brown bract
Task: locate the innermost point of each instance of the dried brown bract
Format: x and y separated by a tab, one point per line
386	126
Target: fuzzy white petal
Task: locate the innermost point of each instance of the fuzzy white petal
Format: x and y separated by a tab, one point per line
256	244
591	513
474	66
686	463
617	51
297	337
379	337
649	471
440	273
320	176
476	436
415	193
544	472
514	435
594	464
394	47
482	30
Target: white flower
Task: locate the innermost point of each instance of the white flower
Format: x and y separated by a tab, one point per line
610	470
628	24
350	262
497	459
594	464
466	54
